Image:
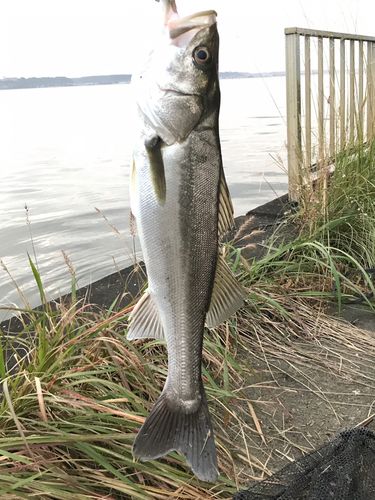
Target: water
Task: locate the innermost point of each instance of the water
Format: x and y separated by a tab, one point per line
65	151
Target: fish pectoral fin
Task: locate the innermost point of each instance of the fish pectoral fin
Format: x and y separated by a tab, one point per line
169	429
145	322
155	158
226	218
227	295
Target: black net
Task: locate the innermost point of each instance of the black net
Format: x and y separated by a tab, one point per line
344	469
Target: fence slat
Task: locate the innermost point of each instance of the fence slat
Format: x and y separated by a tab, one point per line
332	97
293	89
372	65
342	95
320	98
369	90
307	102
360	89
352	90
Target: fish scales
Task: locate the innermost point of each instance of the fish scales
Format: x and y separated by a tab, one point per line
178	187
180	244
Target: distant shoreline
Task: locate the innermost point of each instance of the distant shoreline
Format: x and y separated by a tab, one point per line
62	81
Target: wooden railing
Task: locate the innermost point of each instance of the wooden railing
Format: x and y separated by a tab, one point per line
344	97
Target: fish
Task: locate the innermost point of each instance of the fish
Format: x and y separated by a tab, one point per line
182	206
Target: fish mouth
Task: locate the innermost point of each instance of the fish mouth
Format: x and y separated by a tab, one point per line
183	29
180	25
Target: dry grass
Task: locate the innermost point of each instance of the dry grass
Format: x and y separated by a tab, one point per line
73	405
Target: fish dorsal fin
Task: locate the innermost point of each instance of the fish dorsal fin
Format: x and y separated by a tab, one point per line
145	322
226	219
133	187
227	295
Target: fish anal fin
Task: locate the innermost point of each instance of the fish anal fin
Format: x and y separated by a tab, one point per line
226	218
168	428
227	295
145	322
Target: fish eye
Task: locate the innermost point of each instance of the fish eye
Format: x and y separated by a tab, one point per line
202	56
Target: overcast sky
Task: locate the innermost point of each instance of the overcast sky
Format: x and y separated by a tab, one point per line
98	37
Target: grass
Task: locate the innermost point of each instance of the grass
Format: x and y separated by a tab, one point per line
74	402
339	212
332	249
75	399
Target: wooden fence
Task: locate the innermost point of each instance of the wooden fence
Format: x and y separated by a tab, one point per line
343	97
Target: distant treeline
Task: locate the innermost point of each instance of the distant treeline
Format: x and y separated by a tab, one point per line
235	74
62	81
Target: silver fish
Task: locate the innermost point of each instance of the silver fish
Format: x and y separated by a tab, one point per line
182	206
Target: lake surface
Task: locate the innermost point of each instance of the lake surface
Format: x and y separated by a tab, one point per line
65	151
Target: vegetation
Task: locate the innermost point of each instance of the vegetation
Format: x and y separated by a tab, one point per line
332	252
72	404
339	210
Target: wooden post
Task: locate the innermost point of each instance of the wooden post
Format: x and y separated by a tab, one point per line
369	90
332	98
293	105
307	103
320	99
372	89
352	90
360	90
342	95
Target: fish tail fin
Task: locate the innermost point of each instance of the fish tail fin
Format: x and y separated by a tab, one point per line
167	429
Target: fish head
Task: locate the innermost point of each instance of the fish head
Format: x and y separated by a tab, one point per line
193	53
178	84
